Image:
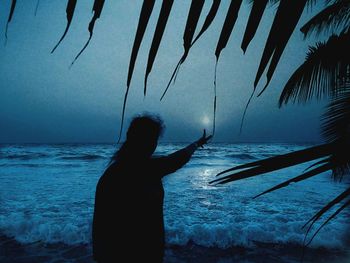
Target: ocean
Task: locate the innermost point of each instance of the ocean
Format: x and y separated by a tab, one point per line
47	197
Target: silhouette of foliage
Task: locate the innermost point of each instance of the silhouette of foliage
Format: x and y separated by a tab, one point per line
318	75
336	120
330	19
191	24
157	38
285	21
12	10
70	12
97	9
145	15
255	17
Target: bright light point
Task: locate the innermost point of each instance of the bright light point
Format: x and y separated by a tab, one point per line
206	120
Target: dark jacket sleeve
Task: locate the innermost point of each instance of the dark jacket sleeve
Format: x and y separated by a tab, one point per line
168	164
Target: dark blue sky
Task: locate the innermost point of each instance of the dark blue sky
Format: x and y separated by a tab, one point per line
42	100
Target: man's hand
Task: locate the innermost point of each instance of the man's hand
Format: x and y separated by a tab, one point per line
204	139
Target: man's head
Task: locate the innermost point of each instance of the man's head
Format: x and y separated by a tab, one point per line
144	132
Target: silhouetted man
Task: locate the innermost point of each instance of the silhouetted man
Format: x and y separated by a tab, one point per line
128	218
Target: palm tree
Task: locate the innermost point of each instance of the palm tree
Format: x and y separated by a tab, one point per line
325	73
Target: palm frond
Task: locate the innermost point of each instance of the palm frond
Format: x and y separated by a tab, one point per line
190	28
299	178
70	12
332	18
12	10
285	21
157	37
36	7
146	11
336	120
319	74
336	129
346	204
227	28
275	163
226	31
255	16
97	9
324	209
208	20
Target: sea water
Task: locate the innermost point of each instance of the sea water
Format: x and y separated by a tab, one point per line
47	195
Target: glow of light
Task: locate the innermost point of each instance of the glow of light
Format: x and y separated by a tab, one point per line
205	120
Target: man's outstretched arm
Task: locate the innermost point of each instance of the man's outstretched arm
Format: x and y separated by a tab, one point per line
174	161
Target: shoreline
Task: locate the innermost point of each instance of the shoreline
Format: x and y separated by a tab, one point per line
12	251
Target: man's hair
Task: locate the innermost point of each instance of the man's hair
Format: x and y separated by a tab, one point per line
145	126
142	128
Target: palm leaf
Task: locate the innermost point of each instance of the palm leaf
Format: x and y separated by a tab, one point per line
275	163
226	31
336	129
319	74
318	215
146	11
208	20
330	218
12	10
285	21
255	16
70	12
330	19
299	178
36	7
227	28
97	9
336	120
191	24
158	34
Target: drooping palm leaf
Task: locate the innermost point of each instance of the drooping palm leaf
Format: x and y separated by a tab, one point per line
12	10
326	160
318	75
227	28
146	11
318	215
208	20
70	12
36	7
191	24
275	163
336	120
346	204
97	9
330	19
158	34
285	21
229	23
287	16
255	16
336	129
306	175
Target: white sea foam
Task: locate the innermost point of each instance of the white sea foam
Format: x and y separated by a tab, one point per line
53	201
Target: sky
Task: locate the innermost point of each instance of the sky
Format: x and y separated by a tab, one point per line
44	101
